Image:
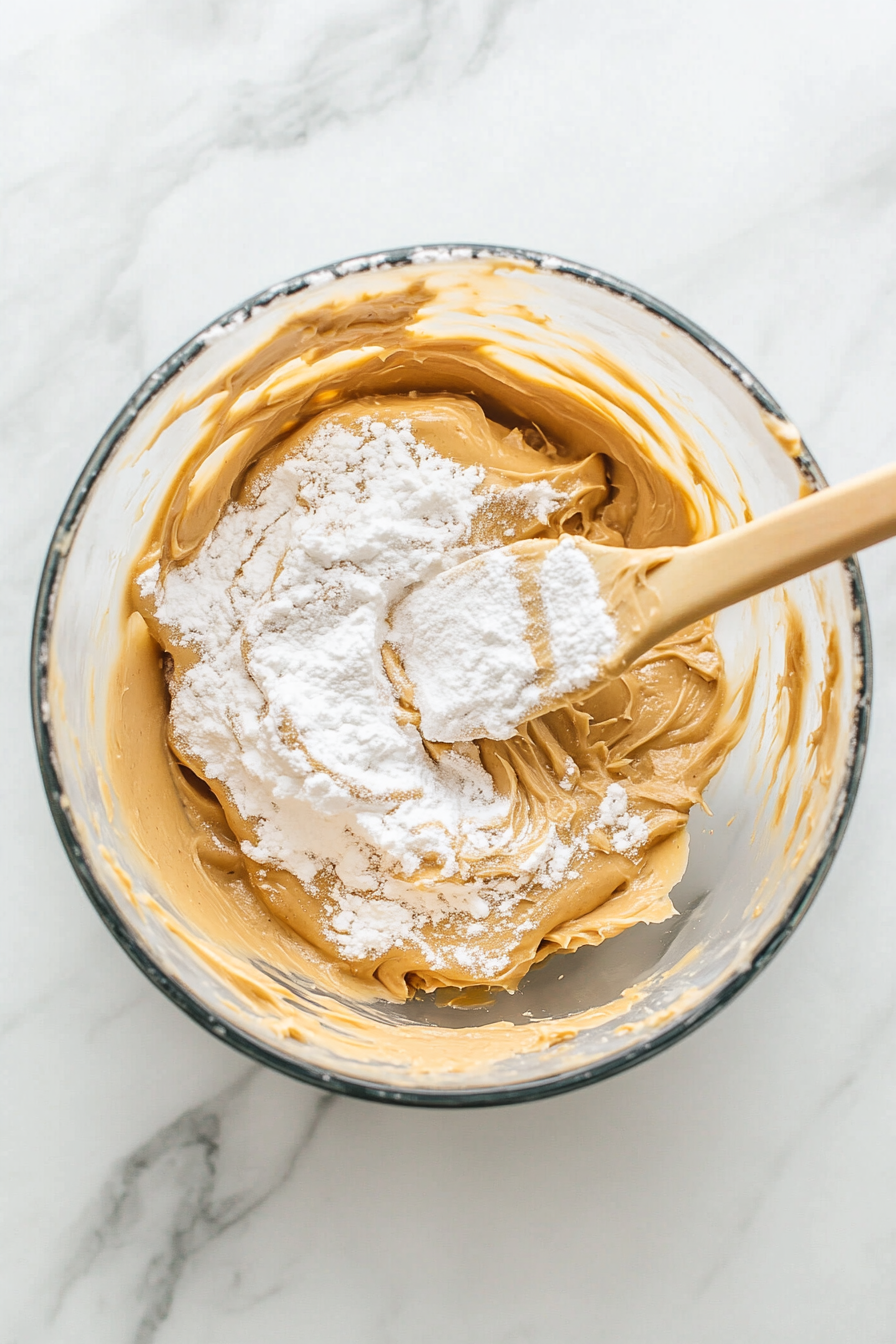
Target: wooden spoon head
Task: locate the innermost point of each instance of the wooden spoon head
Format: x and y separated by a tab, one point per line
515	632
622	583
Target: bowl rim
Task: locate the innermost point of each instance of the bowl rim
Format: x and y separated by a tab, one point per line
330	1079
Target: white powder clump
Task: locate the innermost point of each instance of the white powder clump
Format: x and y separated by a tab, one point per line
582	632
466	652
626	830
464	642
289	705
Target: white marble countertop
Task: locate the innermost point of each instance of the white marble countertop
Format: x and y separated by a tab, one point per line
166	158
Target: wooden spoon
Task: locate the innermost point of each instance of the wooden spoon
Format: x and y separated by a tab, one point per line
649	594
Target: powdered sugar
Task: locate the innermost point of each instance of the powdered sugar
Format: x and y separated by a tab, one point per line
290	707
463	644
464	639
626	830
581	631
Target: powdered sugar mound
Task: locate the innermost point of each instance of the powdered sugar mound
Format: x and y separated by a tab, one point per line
467	654
626	830
289	704
367	927
581	631
148	581
537	499
464	641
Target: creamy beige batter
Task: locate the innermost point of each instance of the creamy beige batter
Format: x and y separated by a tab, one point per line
502	400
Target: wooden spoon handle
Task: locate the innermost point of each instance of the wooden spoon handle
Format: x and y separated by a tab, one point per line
825	526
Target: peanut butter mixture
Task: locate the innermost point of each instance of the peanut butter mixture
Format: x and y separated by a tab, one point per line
585	808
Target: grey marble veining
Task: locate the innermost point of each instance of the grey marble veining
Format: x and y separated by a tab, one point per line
187	1185
161	162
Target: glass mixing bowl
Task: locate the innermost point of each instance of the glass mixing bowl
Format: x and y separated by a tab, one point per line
779	805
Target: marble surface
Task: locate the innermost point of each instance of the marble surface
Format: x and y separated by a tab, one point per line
164	159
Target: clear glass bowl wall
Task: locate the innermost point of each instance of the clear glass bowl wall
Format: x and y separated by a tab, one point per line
748	880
